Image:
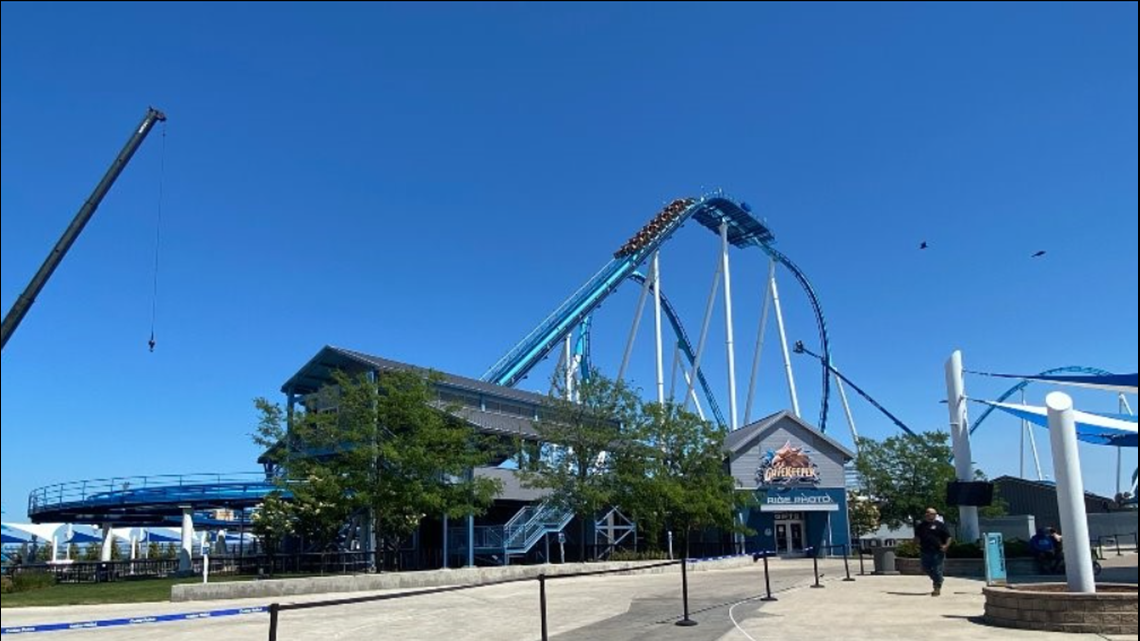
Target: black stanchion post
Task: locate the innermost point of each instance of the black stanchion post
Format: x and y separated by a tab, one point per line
847	563
274	614
1119	550
686	622
815	562
542	606
862	562
768	580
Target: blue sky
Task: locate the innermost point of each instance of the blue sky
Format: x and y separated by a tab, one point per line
426	182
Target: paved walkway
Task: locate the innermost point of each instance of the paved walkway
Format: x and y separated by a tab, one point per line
881	609
622	608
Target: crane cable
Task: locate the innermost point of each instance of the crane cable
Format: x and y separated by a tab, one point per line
157	244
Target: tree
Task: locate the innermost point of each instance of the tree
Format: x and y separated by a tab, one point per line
672	473
380	445
273	523
905	475
580	438
864	514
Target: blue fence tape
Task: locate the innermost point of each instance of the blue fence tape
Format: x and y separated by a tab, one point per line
133	621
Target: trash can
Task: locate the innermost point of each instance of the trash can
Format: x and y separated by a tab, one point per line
886	562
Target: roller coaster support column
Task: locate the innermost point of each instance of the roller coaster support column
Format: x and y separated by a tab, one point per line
636	326
106	553
784	344
705	329
1071	492
733	421
1125	408
186	554
1033	444
660	335
970	529
847	411
568	356
760	340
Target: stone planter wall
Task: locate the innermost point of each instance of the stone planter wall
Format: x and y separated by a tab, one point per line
1050	608
969	568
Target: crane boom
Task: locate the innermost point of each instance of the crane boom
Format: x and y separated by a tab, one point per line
24	303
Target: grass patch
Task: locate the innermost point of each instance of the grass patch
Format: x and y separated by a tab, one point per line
142	591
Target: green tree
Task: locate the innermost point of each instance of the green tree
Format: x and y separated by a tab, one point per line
904	475
385	446
673	474
865	517
580	439
273	523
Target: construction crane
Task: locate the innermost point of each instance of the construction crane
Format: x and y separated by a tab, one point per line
24	303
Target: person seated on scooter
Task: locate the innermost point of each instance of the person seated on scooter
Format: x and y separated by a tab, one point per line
1045	550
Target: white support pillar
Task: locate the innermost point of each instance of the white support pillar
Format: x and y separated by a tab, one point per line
693	393
784	344
733	417
705	328
1071	493
1125	408
186	554
567	353
107	552
657	322
766	311
847	412
636	326
1025	436
1036	453
55	548
969	527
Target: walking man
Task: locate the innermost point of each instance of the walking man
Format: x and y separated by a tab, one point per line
933	537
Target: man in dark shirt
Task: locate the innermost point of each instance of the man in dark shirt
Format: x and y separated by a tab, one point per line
933	537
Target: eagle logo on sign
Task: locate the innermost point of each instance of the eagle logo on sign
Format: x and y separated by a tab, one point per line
788	467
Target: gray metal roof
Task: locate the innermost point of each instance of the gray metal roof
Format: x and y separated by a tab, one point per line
743	437
513	489
318	372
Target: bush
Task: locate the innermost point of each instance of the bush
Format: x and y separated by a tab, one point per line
5	585
966	551
908	550
1014	549
32	581
1017	549
625	556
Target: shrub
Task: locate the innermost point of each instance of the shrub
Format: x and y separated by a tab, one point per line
626	556
966	551
5	585
1017	549
31	581
908	550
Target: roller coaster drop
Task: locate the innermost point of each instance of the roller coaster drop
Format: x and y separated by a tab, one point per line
734	223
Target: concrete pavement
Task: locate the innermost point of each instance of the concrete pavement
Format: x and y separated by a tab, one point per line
619	608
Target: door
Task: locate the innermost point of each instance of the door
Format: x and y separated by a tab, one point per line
796	544
790	538
782	538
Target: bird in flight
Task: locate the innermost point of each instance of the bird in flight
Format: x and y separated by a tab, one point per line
1039	254
924	245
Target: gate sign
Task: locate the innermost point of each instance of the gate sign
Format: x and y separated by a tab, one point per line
788	467
996	571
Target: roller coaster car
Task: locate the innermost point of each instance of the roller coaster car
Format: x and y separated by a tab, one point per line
653	229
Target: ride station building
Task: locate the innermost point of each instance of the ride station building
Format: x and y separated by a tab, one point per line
797	474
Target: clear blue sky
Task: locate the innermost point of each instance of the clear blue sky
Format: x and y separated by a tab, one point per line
426	182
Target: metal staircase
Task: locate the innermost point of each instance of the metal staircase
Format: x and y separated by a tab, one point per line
518	536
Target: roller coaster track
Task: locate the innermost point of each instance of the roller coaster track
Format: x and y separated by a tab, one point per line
710	211
686	347
1016	389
